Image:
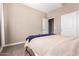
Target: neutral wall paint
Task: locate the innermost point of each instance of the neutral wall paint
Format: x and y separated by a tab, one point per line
21	21
56	14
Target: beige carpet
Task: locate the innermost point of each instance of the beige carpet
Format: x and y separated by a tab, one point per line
17	50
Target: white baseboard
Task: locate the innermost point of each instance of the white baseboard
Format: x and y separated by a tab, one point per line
1	49
12	44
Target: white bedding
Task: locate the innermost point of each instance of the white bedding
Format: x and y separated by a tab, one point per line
54	45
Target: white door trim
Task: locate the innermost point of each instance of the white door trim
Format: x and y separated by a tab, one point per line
2	27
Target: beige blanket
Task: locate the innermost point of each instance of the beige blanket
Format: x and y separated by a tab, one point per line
54	45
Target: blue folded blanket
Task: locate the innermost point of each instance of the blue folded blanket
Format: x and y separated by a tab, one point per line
29	38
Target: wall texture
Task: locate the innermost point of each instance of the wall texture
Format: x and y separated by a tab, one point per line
56	14
21	21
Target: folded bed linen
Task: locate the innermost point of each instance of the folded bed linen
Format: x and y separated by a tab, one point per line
29	38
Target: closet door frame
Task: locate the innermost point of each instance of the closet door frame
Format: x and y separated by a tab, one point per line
78	24
2	27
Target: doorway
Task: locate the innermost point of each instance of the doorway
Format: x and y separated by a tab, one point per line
51	26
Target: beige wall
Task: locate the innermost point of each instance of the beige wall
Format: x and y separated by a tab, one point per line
20	21
66	8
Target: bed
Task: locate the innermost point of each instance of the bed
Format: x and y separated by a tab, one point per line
52	45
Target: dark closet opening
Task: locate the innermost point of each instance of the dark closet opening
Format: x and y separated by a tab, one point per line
51	26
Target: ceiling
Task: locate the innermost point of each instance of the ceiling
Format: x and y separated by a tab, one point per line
44	7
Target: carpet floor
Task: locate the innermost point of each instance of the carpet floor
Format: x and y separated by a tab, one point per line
17	50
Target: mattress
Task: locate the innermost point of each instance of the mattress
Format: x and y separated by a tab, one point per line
54	45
